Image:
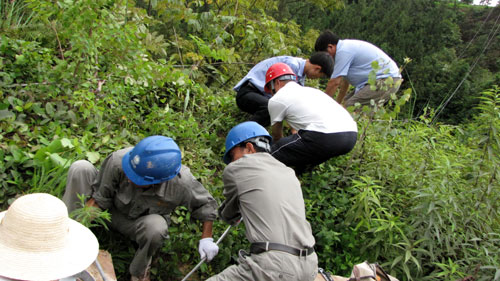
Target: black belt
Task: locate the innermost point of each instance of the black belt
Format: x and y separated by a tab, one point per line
260	247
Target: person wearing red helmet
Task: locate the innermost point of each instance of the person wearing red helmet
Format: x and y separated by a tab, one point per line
140	187
323	128
250	94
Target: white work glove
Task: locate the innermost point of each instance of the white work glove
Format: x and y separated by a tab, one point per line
208	248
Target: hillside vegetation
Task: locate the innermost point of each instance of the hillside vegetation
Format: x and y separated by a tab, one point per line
419	193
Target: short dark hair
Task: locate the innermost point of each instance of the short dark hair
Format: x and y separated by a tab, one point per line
324	60
325	38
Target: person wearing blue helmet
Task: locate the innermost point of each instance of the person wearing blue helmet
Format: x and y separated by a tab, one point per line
140	187
267	196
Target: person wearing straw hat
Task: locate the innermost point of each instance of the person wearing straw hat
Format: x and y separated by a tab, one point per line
38	241
140	187
267	195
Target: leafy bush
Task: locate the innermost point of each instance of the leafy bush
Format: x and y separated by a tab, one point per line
419	197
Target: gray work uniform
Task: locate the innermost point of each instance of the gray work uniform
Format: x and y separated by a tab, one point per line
142	214
268	196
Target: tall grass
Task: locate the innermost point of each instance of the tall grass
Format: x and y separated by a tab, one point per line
14	14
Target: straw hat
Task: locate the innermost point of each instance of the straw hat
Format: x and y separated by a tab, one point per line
39	242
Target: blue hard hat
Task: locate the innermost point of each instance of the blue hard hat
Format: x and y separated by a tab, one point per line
242	132
153	160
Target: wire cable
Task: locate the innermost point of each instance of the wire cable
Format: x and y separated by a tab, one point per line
458	57
477	32
491	36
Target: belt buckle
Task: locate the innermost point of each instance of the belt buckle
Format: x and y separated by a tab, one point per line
302	250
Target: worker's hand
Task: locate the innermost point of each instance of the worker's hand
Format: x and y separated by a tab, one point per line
207	248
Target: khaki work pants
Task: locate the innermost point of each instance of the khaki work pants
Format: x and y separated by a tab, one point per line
270	266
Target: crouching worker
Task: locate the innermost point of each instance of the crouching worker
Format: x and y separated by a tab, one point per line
140	187
267	195
323	128
252	96
38	241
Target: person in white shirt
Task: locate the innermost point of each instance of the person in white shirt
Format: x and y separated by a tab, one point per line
322	127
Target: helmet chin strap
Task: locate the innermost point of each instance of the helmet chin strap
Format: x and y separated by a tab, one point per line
273	91
261	142
281	78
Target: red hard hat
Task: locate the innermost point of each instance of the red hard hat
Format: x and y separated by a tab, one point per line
277	70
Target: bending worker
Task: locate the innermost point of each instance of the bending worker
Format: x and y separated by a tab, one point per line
353	64
251	96
323	128
267	195
140	187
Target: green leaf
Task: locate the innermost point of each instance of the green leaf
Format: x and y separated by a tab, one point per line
49	108
58	160
407	256
93	157
4	114
66	143
105	139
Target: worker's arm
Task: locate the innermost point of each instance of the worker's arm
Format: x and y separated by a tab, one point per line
207	229
229	210
206	247
332	86
107	182
197	199
277	131
337	83
344	86
92	203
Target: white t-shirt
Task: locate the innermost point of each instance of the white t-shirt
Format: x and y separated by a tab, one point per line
306	108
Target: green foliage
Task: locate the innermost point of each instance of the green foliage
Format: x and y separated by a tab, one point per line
418	196
417	205
308	14
14	15
89	215
240	31
51	181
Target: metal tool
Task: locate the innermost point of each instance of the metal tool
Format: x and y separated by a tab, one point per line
99	268
205	258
